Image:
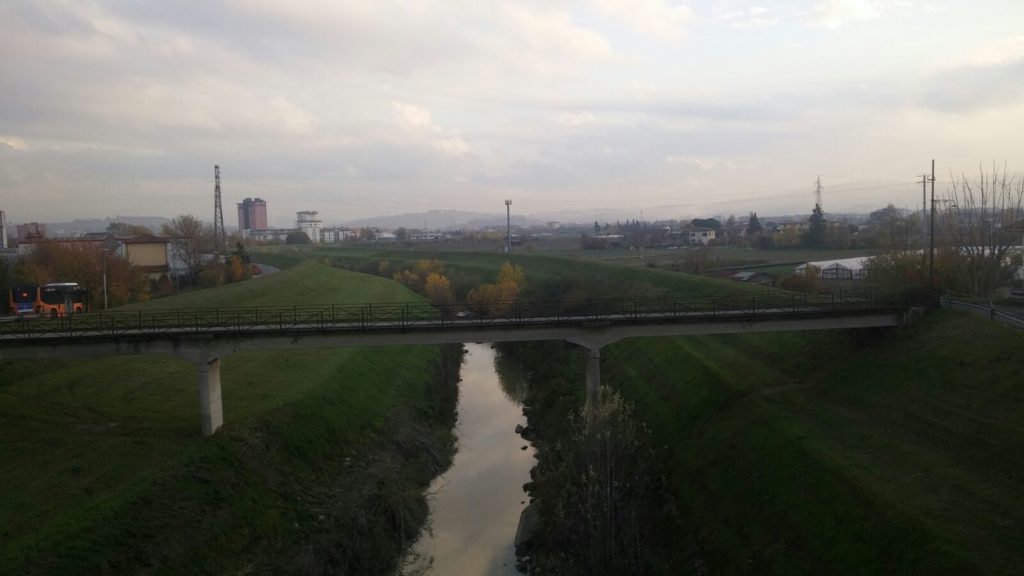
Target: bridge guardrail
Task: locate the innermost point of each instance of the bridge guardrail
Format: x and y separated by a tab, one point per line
390	316
991	311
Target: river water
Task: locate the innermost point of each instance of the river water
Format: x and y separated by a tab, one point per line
475	505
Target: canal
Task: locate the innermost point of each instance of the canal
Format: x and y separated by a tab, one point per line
475	505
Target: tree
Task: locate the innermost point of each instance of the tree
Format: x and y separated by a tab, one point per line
808	281
190	239
815	235
754	225
236	270
604	486
495	299
895	268
415	276
122	229
296	237
511	274
978	223
438	289
242	254
706	223
894	228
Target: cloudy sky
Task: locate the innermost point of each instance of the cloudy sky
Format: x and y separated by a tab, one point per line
364	107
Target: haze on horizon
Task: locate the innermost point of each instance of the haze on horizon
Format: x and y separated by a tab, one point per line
360	108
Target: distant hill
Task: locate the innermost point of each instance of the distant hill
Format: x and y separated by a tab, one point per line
433	220
84	225
460	219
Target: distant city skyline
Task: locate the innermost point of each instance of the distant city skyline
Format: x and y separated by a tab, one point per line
360	108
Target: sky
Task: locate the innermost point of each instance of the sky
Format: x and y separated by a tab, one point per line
357	108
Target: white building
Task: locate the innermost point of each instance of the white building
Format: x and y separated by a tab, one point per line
267	235
335	235
700	235
308	222
844	269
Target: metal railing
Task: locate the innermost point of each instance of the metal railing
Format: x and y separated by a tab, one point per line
992	312
409	316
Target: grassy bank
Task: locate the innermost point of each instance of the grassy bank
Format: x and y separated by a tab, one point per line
840	453
105	471
547	277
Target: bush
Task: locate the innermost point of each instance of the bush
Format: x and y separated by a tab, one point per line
808	281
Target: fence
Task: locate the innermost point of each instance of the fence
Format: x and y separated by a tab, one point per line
406	316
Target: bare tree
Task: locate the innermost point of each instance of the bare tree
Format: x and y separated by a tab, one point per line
190	239
977	221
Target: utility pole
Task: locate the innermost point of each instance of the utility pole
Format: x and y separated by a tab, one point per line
931	237
924	214
817	194
219	235
508	226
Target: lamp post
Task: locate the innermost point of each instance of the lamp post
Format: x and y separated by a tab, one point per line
110	244
508	226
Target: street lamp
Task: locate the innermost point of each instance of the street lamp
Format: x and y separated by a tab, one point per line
110	244
508	226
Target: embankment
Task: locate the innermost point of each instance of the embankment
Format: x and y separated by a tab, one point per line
320	467
825	453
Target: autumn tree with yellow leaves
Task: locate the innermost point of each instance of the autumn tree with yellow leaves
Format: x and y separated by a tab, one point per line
497	298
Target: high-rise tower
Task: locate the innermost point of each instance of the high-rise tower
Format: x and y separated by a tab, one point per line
252	214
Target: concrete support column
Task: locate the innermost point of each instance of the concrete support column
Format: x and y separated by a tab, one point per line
212	411
593	377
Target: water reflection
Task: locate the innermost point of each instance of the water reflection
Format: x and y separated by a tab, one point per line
475	506
511	376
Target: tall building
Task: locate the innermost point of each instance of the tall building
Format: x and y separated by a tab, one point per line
308	222
252	214
3	230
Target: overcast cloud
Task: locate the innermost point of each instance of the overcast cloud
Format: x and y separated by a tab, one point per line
357	108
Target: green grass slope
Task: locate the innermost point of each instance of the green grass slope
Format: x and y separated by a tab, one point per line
867	453
547	277
105	470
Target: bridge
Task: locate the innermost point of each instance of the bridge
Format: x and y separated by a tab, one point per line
205	336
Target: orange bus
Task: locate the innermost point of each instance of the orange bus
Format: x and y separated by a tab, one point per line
53	300
22	299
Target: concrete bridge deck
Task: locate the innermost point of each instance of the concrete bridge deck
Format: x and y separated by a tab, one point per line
203	337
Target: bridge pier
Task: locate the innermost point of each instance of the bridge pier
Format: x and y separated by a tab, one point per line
210	406
593	378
